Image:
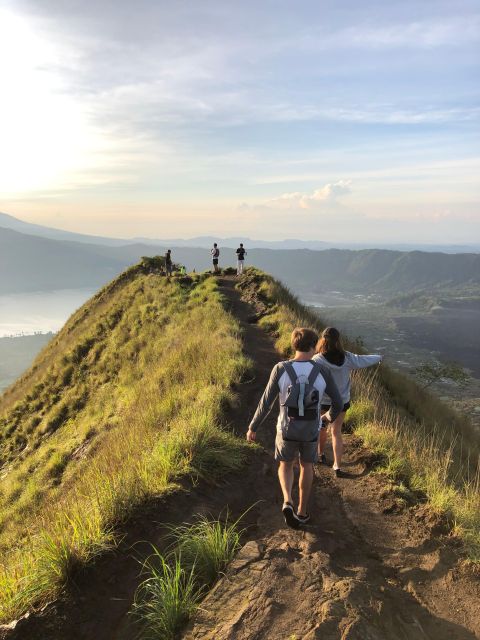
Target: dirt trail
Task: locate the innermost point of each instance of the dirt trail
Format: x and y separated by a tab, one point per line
364	569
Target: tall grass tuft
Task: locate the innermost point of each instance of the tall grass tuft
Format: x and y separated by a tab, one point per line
206	547
176	583
166	598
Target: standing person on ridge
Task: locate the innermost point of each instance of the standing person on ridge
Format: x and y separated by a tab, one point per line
300	384
241	253
168	262
332	355
215	251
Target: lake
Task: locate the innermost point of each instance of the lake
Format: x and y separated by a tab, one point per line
39	311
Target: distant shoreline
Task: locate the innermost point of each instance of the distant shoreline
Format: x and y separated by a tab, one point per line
27	335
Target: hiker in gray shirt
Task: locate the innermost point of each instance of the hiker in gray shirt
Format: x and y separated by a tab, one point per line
300	384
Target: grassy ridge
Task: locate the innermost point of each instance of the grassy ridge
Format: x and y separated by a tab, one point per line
127	398
425	446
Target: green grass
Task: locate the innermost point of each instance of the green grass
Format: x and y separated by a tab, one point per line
177	582
207	547
141	407
425	448
166	599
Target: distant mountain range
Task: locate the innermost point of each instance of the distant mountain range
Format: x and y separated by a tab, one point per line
31	262
10	222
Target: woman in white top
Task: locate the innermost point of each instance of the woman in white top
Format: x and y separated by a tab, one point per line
330	353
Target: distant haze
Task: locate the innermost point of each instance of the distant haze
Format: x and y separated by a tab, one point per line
32	262
10	222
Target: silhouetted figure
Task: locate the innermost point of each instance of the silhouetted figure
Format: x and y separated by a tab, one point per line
168	263
241	253
215	251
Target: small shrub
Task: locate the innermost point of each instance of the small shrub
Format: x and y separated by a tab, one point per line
67	375
57	418
56	464
81	350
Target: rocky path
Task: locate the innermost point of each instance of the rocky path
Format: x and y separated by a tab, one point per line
365	568
343	578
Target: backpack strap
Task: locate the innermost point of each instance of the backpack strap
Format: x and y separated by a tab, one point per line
290	371
314	373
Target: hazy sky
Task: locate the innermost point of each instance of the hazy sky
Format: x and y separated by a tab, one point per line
334	120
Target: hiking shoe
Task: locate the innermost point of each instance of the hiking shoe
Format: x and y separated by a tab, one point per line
322	459
303	519
289	515
340	474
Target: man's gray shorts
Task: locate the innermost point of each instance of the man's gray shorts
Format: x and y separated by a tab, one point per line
287	451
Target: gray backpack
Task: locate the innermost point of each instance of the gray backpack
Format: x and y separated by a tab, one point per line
302	404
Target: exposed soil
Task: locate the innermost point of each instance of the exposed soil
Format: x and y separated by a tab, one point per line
366	568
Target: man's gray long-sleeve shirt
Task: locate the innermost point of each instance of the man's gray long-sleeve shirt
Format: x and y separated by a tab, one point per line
278	386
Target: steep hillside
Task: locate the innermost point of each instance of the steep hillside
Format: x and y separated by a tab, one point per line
31	263
160	365
369	270
123	400
10	222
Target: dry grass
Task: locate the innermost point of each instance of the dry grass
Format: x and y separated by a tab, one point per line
154	364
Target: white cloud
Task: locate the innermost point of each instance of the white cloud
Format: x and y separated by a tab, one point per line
418	34
422	34
298	200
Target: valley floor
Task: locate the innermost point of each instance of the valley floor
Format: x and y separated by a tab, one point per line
409	339
366	568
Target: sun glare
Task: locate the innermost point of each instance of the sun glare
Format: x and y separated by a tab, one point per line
44	136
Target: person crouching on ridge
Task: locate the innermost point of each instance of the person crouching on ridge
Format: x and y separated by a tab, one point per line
300	384
331	354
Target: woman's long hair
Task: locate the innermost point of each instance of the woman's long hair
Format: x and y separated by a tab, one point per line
330	342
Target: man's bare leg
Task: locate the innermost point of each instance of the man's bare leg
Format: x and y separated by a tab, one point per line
285	475
305	486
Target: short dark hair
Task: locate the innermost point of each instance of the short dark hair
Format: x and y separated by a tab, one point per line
214	244
303	339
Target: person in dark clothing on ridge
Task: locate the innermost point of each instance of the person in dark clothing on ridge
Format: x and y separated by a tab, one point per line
215	251
241	253
300	384
168	262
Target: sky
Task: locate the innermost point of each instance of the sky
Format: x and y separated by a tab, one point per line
329	120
